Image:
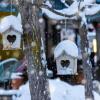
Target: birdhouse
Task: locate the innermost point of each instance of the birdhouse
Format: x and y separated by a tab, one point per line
66	54
11	30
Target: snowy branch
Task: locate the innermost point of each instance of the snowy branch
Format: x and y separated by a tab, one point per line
56	12
74	10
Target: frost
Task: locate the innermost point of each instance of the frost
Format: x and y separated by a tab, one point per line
41	20
40	73
44	92
37	77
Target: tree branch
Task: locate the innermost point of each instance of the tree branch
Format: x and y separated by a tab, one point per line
56	12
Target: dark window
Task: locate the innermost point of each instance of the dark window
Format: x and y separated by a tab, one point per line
65	63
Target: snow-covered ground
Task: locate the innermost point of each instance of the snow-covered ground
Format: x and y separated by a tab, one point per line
59	90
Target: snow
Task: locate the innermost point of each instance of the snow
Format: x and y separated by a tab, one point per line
10	21
23	93
92	33
8	92
67	46
16	75
93	10
89	1
73	10
86	3
19	17
51	14
43	56
90	26
59	90
96	86
48	3
65	91
49	73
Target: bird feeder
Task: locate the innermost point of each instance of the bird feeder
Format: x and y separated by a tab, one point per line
66	54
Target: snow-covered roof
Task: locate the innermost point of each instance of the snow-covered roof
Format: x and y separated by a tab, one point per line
10	21
66	46
16	75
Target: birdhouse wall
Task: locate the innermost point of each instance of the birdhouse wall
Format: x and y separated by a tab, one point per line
11	40
70	70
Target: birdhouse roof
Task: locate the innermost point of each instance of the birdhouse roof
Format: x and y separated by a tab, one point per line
10	21
67	46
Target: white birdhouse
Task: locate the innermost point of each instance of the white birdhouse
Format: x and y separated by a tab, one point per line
11	30
66	54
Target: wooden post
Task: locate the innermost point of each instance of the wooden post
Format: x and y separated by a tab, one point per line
31	29
86	67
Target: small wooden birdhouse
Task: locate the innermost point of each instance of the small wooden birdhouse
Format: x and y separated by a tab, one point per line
11	30
66	54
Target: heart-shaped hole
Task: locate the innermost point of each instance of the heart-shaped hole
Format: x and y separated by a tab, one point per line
11	38
65	63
